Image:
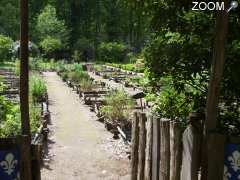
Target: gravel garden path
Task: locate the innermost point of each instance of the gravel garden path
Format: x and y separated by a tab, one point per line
79	147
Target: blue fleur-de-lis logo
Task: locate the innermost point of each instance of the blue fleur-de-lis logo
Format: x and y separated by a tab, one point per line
9	164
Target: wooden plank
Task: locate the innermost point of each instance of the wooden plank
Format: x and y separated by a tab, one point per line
164	169
216	144
148	160
175	150
142	145
191	153
135	144
155	148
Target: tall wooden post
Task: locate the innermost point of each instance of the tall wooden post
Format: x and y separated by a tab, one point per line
215	80
24	103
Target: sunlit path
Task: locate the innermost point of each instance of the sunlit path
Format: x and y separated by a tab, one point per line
76	144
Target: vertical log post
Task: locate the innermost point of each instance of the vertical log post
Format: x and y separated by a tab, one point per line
24	102
192	138
164	169
135	144
175	151
142	145
216	144
25	158
215	81
148	160
155	148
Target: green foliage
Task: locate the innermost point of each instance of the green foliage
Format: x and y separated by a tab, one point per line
52	32
9	18
5	47
38	88
10	123
50	44
77	56
118	107
86	84
77	76
112	52
17	67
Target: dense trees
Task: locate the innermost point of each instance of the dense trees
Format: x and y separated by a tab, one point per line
51	32
78	21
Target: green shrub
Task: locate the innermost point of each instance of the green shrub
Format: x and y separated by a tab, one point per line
112	52
10	118
118	107
10	122
86	85
77	76
50	44
5	47
17	67
77	56
38	88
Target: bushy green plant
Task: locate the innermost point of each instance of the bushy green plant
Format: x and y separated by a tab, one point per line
76	56
35	117
77	76
5	47
10	119
38	88
50	44
10	122
86	85
112	52
118	107
17	67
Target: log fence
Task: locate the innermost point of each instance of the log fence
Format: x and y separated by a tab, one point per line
160	149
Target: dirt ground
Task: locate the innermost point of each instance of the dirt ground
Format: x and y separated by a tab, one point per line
76	142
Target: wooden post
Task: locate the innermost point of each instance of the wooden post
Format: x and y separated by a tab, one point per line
216	144
164	169
36	162
155	148
215	80
148	160
192	137
135	144
24	77
142	145
24	102
175	150
25	158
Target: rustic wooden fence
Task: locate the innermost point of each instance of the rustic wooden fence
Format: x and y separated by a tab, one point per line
161	150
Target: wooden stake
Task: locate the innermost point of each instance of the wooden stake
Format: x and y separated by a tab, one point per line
155	148
148	160
175	150
142	145
135	143
164	169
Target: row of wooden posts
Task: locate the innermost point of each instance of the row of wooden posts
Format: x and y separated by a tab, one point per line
162	150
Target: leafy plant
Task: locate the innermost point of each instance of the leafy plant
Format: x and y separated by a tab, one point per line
112	52
118	107
86	85
5	47
38	88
